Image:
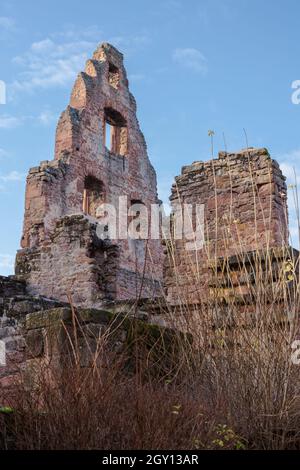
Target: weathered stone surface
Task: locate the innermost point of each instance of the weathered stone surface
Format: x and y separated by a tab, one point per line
14	306
10	287
245	209
61	253
35	343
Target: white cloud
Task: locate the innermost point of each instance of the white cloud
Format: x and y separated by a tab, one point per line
56	60
290	165
42	46
6	261
47	117
190	58
12	176
49	63
48	71
288	171
9	122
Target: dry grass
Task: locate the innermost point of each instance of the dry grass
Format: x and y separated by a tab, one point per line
233	387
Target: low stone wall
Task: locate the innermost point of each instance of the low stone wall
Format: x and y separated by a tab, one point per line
51	335
10	287
15	304
36	335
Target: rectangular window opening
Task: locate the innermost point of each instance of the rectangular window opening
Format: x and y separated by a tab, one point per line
108	136
115	132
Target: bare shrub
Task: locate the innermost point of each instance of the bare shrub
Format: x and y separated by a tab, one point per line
234	386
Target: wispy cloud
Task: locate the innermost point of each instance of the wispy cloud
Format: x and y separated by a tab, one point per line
288	171
293	154
47	117
7	23
48	64
7	28
12	176
190	58
130	44
290	164
6	261
3	153
9	179
56	60
72	33
171	8
290	167
136	77
9	122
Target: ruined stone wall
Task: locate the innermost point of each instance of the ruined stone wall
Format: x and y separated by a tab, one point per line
51	263
33	328
245	209
39	336
9	287
15	304
87	266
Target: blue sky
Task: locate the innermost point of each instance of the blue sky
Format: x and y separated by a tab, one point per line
193	65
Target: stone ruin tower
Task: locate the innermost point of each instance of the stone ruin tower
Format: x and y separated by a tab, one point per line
100	154
244	195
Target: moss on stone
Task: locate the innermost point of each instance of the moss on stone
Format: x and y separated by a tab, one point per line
45	318
94	315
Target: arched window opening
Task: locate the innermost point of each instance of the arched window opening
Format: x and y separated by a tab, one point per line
93	195
136	206
115	132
